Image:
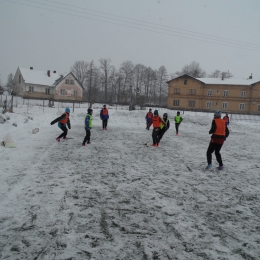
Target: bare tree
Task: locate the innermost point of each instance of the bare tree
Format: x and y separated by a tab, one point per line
173	75
138	81
92	73
153	89
126	73
219	74
96	85
138	76
1	87
106	68
193	69
10	85
119	88
162	85
215	74
114	79
226	74
80	70
149	78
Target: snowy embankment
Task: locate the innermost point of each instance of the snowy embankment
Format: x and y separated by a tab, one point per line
118	199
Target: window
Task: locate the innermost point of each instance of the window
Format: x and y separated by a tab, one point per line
242	106
209	92
192	91
75	93
71	82
176	102
208	105
243	94
47	91
185	82
67	81
225	93
258	107
31	89
191	103
177	91
62	92
217	91
224	105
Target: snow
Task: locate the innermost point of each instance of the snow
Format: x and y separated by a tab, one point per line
119	199
39	77
228	81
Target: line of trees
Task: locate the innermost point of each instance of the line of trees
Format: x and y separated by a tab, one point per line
193	69
130	84
136	84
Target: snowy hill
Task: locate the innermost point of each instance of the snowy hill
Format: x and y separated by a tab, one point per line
119	199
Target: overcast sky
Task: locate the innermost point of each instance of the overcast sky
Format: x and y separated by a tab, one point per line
46	34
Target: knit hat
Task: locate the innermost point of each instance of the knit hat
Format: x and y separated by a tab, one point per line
156	112
217	114
67	110
89	110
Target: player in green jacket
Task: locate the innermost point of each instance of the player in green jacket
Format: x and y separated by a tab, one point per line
88	126
178	120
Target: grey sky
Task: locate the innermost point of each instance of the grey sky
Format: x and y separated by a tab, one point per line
48	39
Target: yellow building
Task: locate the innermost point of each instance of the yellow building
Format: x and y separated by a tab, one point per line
209	94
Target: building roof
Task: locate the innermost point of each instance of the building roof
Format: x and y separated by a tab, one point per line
228	81
39	77
219	81
62	77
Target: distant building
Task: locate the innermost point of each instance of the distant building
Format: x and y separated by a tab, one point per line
209	94
30	83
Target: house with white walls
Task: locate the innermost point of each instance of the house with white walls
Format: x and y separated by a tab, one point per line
49	85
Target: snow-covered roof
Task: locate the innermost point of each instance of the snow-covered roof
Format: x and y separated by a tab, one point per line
39	77
219	81
228	81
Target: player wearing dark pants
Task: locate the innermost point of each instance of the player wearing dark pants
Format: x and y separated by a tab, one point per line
88	126
148	118
65	131
87	137
156	122
156	139
104	116
178	120
162	128
219	132
161	132
104	123
214	147
177	128
64	121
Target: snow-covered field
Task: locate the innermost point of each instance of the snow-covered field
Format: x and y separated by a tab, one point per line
119	199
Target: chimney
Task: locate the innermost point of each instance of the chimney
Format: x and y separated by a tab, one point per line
48	73
31	68
222	77
54	71
251	76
